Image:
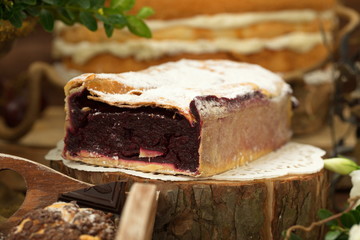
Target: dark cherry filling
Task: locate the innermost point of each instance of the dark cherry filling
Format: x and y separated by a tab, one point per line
142	134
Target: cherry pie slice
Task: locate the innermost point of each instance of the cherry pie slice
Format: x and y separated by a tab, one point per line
197	118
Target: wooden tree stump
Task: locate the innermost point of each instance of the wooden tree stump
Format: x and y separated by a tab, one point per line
205	209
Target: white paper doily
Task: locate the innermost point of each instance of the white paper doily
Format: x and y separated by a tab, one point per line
291	159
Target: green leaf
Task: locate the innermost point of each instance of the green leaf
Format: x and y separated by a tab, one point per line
102	18
97	3
61	2
16	19
85	4
88	20
23	15
68	14
122	4
347	220
33	11
324	213
356	215
50	2
109	29
117	20
137	26
29	2
111	11
332	235
145	12
47	20
343	236
293	236
71	3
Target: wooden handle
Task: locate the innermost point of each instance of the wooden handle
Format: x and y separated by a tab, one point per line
43	185
138	215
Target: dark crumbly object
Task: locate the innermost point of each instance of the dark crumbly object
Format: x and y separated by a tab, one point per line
65	221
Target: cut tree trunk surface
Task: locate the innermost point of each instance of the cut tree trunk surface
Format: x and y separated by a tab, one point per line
260	209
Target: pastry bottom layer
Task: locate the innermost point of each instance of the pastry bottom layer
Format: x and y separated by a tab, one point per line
276	61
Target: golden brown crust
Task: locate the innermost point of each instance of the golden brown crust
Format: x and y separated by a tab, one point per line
246	145
281	61
78	34
111	87
169	9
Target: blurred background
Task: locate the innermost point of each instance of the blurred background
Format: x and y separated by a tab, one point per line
37	47
335	136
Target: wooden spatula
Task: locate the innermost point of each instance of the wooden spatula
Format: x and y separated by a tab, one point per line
44	186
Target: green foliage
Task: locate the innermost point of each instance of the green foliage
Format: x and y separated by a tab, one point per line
324	213
85	12
46	19
137	26
333	235
347	220
88	20
122	4
339	228
145	12
293	236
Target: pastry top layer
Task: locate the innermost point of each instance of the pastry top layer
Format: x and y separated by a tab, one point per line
170	9
176	84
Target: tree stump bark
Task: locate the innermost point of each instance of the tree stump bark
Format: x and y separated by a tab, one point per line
260	209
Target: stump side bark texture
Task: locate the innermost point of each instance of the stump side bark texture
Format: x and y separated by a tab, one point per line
260	209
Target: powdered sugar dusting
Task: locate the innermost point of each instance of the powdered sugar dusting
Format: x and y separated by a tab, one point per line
178	83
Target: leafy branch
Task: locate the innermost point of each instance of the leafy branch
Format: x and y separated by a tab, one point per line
338	224
85	12
338	230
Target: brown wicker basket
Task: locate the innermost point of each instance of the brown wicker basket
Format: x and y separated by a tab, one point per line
315	98
8	33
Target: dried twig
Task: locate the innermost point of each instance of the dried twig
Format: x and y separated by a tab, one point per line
352	202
